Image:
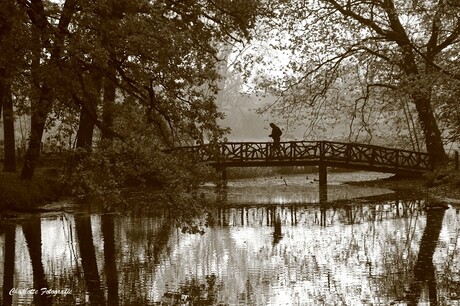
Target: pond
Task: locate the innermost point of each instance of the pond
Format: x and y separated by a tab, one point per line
269	242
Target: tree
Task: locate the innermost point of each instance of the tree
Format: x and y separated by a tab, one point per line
12	59
136	77
392	48
161	55
44	66
6	102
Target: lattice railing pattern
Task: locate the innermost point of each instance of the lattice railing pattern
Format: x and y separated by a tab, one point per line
337	152
375	155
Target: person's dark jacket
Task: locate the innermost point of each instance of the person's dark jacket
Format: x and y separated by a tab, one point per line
276	132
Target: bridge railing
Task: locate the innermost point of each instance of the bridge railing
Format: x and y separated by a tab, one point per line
339	152
375	155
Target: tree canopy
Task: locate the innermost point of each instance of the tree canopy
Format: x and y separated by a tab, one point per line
120	80
368	56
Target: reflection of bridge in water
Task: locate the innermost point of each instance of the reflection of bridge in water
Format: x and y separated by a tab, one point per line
321	215
317	153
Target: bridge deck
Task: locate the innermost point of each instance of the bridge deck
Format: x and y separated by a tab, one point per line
299	153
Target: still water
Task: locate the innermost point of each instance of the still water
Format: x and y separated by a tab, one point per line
272	246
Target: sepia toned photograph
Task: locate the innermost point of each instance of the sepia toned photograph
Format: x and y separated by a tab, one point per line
230	152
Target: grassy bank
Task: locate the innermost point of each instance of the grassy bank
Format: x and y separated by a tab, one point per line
27	195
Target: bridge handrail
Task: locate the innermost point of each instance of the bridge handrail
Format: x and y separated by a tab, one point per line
333	151
304	141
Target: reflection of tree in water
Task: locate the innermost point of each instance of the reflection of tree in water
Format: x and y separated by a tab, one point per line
373	245
277	232
448	262
110	263
408	274
275	221
8	261
381	240
193	292
356	214
324	215
88	259
448	284
424	271
149	239
32	233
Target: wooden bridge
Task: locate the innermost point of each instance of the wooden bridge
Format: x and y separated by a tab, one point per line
302	153
317	153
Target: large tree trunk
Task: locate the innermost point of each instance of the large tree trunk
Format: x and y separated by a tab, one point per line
9	162
40	111
433	140
108	102
6	101
42	104
422	99
85	131
86	124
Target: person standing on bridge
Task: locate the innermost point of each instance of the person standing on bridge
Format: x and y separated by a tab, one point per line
276	135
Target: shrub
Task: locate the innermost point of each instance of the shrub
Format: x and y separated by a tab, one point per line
18	194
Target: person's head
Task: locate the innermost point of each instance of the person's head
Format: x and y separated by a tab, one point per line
272	124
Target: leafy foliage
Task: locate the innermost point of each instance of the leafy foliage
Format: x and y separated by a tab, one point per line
139	158
360	61
145	73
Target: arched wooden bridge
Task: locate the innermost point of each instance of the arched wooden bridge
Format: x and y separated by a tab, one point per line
319	153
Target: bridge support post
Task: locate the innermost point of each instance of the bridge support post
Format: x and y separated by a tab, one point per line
222	184
322	183
224	178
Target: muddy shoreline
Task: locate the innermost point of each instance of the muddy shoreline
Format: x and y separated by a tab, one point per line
447	192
